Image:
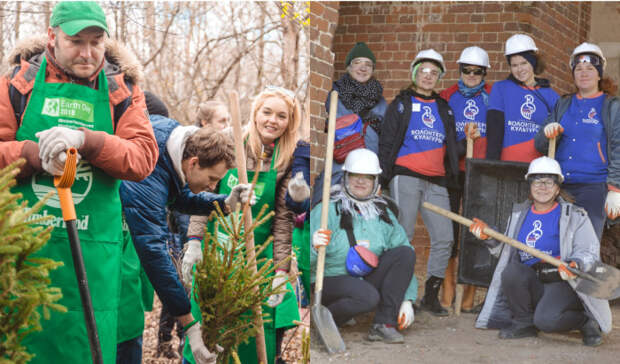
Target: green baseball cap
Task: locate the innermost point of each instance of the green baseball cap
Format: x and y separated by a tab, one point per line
73	16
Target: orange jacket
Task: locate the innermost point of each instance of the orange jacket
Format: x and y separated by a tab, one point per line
129	154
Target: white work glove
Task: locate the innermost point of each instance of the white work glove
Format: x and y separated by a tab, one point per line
56	166
552	130
405	315
202	355
278	280
321	238
612	204
298	188
192	255
240	194
57	139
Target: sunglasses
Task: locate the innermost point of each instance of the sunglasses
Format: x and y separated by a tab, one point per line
475	71
583	58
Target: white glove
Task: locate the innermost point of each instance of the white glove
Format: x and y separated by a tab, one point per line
192	255
56	166
321	238
275	299
612	204
201	354
57	139
298	188
405	315
240	194
552	130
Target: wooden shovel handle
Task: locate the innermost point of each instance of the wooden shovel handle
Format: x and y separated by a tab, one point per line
494	234
327	181
551	152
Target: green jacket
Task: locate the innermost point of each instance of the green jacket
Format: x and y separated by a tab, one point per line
381	235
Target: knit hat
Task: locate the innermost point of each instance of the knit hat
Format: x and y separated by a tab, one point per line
529	56
360	49
591	60
154	105
74	16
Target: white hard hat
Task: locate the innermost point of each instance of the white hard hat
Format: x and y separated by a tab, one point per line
520	43
362	161
428	54
475	56
545	165
587	48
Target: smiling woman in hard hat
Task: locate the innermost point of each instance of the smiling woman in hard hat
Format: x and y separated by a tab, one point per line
519	104
368	260
526	294
468	98
419	157
587	127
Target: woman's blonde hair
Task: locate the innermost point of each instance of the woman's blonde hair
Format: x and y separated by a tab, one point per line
288	140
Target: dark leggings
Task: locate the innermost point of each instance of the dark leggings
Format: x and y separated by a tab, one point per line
383	290
551	307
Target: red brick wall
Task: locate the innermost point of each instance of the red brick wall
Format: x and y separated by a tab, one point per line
396	31
323	22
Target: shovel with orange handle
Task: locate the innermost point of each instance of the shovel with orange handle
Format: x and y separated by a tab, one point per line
63	185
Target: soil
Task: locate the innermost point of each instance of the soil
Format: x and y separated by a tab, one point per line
454	339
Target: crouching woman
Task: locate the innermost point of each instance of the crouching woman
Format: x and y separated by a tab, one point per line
368	259
526	294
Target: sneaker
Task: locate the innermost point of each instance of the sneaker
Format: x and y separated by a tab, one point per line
385	333
518	332
591	333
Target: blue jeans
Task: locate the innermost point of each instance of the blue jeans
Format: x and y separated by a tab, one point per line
590	196
130	351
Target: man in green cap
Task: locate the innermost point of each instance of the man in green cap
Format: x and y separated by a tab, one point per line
62	92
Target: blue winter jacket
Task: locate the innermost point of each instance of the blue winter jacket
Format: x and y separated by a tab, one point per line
144	206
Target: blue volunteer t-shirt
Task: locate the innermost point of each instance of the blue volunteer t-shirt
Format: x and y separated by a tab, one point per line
424	147
524	112
470	110
541	230
582	151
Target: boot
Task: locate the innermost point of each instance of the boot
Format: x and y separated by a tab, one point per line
514	332
166	349
430	302
591	333
468	299
449	284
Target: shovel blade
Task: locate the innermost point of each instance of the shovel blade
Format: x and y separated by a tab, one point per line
606	285
327	329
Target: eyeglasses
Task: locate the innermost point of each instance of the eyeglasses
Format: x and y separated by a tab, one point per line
590	58
475	71
547	182
361	62
359	176
431	71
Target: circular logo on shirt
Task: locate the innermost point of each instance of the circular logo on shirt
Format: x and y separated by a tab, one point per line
42	183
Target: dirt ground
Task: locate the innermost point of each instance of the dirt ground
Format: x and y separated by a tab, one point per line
454	339
291	346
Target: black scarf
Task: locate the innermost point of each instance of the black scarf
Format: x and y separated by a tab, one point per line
359	97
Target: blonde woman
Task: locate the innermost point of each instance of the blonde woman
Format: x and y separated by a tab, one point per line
274	122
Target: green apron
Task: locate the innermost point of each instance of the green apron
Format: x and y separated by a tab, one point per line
301	247
98	210
284	314
136	293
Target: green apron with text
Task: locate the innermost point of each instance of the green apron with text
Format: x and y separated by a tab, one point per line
284	314
301	247
98	209
136	292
